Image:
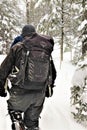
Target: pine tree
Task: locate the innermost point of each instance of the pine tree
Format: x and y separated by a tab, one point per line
79	103
10	19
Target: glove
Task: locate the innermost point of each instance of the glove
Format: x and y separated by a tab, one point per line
49	91
2	92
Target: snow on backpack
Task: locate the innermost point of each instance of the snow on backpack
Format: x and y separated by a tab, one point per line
35	65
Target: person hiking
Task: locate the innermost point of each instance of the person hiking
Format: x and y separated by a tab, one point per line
32	73
19	39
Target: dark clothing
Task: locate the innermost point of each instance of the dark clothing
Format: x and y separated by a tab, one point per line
28	101
28	30
16	40
20	99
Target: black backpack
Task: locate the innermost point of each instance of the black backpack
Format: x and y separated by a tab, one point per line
35	71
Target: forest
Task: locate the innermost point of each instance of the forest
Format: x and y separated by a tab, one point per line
64	20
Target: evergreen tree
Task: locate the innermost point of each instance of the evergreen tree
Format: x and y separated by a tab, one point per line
79	94
10	21
79	105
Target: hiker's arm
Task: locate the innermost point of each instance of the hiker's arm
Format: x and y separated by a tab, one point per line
54	73
5	70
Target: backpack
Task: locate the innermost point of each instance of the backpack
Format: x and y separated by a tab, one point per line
34	66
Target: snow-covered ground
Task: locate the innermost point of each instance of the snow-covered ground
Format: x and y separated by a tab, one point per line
56	114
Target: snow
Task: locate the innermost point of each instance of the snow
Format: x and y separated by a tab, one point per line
44	18
79	76
82	25
38	3
56	114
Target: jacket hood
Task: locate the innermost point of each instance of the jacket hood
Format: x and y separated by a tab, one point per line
28	30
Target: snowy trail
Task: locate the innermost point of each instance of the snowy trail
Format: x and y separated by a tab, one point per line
56	113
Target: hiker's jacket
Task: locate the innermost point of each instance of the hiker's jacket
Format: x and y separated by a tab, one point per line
16	40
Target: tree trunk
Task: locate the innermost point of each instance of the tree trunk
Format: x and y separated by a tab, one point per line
28	11
62	31
83	18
